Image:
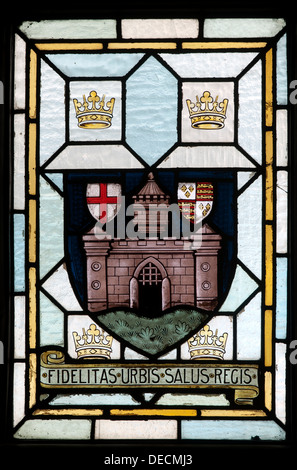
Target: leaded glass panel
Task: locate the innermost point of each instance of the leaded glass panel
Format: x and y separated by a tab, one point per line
151	172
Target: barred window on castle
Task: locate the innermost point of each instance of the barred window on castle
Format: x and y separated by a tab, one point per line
150	230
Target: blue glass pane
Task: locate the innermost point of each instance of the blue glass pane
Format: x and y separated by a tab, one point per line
151	120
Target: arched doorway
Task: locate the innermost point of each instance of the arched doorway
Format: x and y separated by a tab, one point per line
150	288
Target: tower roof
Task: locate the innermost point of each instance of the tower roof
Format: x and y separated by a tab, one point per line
152	190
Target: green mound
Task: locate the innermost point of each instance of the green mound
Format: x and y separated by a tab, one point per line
154	335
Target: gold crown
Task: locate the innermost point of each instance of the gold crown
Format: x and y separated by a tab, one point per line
96	115
208	114
206	345
95	343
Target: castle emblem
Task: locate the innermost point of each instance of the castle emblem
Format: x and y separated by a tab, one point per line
209	113
93	113
143	272
149	274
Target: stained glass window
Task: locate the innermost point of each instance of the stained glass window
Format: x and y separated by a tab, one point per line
149	218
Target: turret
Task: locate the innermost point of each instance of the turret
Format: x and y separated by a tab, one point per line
150	208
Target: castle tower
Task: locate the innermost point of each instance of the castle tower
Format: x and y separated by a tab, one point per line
151	205
206	262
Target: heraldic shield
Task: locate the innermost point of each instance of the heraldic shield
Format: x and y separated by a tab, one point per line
143	265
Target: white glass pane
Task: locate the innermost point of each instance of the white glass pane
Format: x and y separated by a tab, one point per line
282	211
250	227
153	28
249	319
19	161
282	137
242	27
19	325
280	379
209	64
281	298
19	73
282	72
52	112
69	29
51	227
55	429
19	392
134	429
250	112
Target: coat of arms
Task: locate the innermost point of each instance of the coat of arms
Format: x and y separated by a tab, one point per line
195	200
104	200
147	286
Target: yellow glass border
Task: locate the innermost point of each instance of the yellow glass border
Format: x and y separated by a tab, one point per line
223	45
69	46
141	45
149	45
269	235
